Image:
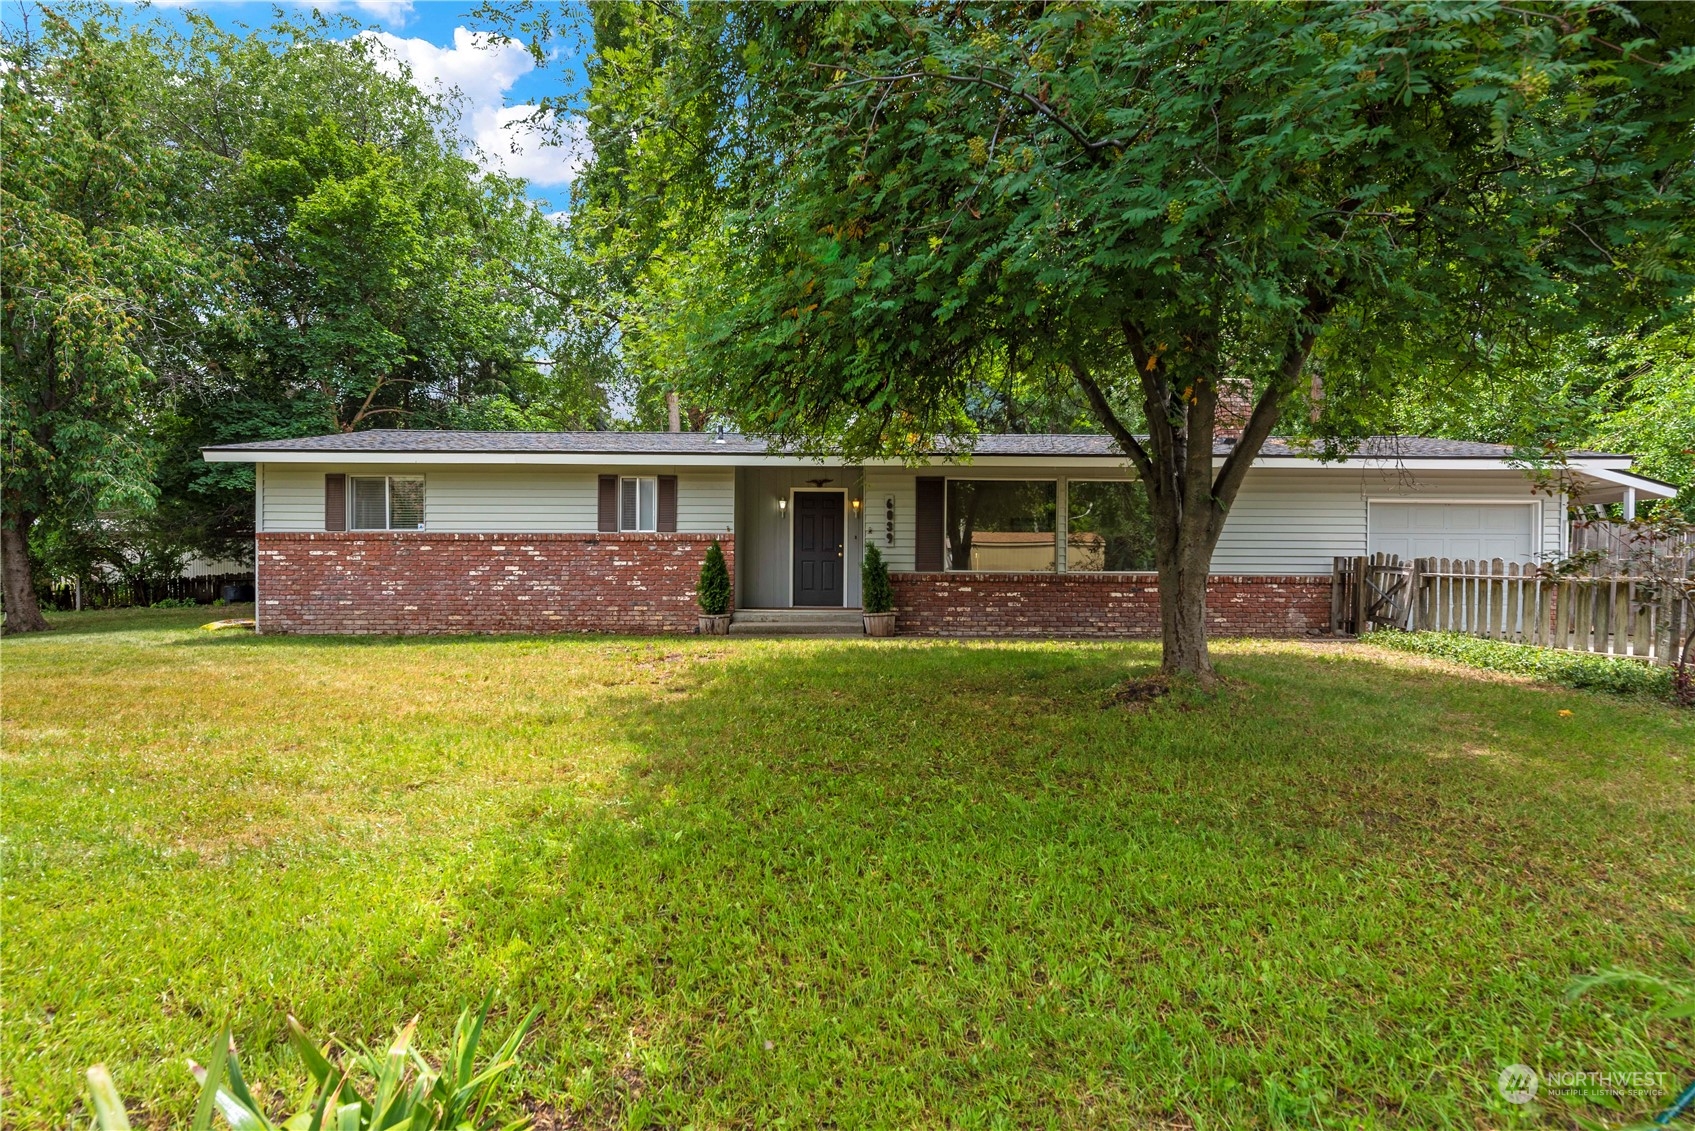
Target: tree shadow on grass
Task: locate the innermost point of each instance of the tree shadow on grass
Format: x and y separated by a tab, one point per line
952	884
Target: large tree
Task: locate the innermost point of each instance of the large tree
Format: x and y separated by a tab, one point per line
216	236
383	279
100	281
1172	202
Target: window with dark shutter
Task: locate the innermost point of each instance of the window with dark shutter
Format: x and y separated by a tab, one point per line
638	504
668	502
927	525
608	504
335	502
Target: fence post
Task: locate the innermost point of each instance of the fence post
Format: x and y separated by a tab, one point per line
1338	593
1361	566
1413	583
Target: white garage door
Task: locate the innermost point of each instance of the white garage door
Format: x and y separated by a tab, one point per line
1453	530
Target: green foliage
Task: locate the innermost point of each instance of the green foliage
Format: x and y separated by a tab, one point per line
101	276
876	596
894	197
1621	394
365	1091
713	592
1572	669
215	236
175	603
873	214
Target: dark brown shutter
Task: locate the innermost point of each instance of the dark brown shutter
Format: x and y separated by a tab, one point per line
335	502
668	502
608	503
927	526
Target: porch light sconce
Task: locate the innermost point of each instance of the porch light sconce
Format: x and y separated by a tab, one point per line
856	506
782	505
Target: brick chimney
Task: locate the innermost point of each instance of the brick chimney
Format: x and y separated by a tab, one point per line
1235	405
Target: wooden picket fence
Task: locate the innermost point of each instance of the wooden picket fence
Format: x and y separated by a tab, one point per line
1626	545
1616	615
1367	593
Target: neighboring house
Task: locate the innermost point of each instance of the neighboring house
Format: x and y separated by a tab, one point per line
399	531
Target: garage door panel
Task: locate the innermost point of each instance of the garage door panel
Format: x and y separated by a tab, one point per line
1478	531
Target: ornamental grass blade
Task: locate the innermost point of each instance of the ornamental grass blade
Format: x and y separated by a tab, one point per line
109	1113
465	1043
392	1074
347	1117
239	1116
238	1086
316	1060
211	1079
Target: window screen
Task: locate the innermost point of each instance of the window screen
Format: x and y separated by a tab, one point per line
394	502
1108	527
405	502
639	505
1001	524
370	503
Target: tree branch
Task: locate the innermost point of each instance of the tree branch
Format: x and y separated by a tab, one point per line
1040	106
1109	419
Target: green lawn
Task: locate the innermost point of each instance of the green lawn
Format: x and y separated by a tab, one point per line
861	883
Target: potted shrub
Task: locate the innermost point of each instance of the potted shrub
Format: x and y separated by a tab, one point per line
877	598
713	592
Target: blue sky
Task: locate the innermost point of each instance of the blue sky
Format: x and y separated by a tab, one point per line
499	85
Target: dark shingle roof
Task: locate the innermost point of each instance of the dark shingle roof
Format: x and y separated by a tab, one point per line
403	441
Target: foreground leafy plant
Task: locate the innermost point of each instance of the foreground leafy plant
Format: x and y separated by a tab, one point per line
1582	670
457	1095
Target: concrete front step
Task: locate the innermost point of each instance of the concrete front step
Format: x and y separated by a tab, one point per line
796	622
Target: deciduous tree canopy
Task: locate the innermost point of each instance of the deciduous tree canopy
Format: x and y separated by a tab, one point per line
1169	202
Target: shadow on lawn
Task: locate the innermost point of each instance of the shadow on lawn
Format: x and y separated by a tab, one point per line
939	883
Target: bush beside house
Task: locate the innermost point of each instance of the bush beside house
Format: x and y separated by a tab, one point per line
713	592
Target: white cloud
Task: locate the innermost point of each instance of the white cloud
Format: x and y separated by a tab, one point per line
482	72
393	13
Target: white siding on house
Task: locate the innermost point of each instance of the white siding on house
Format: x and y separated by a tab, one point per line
1296	520
1285	520
706	500
881	485
497	500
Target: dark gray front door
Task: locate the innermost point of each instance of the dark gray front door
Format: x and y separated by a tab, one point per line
818	548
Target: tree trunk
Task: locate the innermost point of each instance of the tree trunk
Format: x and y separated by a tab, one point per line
1183	621
23	612
1182	558
1189	498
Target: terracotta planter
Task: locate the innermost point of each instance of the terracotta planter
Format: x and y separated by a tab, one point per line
879	624
714	625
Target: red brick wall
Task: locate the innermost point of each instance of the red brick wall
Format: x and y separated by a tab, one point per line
412	582
1099	604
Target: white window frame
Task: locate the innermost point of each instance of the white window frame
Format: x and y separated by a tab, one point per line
1058	520
388	502
638	480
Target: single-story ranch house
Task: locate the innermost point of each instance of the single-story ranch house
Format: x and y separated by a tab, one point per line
397	531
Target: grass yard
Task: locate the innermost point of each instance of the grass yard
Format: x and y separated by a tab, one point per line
804	883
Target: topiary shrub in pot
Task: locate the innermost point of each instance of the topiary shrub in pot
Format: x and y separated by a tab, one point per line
713	592
877	596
